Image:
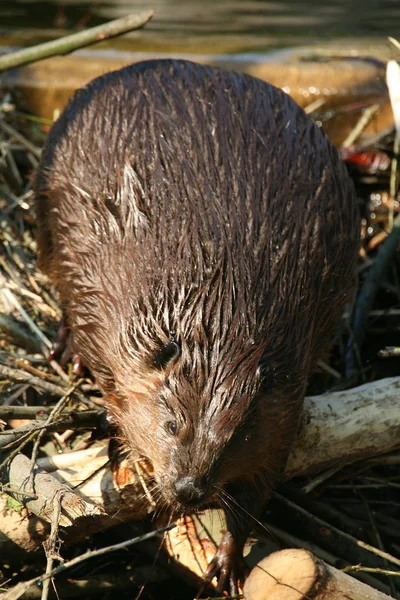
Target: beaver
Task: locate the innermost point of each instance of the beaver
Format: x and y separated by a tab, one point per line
202	233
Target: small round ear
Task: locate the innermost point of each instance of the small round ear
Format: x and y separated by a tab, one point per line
167	355
265	373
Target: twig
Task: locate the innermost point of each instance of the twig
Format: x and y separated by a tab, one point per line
57	409
320	478
22	139
19	375
45	342
20	389
346	536
50	544
107	584
74	459
85	418
377	536
14	332
10	296
25	365
4	263
394	42
13	171
75	508
52	311
314	106
18	590
328	369
361	124
389	352
29	435
360	569
69	43
22	412
369	142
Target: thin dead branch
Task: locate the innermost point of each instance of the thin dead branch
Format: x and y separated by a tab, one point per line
72	42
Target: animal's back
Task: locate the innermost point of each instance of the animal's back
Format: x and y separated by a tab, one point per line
164	172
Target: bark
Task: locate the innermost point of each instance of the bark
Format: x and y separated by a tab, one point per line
341	427
37	493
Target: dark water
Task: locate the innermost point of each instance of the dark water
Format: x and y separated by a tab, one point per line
209	25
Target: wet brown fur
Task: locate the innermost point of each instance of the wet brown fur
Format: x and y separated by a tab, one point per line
177	201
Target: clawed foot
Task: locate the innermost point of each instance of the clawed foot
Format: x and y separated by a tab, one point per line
62	348
228	565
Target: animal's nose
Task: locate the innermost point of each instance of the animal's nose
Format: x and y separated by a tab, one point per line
190	490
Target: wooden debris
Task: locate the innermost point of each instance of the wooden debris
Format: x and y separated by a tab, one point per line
299	575
339	428
39	497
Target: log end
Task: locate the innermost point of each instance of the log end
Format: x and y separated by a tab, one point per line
284	575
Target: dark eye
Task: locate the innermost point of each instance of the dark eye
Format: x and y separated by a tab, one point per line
167	355
172	427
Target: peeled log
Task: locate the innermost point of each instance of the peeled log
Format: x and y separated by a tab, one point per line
339	428
298	574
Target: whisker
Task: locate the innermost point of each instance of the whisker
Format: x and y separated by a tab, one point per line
230	510
246	512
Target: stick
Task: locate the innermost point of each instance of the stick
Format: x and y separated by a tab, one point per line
12	329
34	328
69	43
51	543
85	418
20	375
18	590
22	139
377	551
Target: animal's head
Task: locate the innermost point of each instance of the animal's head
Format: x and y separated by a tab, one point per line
204	416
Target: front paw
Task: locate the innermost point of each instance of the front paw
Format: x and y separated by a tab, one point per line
228	565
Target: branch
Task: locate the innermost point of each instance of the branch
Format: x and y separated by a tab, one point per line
69	43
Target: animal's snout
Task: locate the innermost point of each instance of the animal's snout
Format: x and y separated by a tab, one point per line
190	490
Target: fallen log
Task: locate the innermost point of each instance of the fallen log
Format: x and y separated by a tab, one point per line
299	575
107	498
340	428
37	490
